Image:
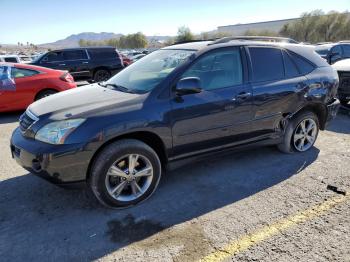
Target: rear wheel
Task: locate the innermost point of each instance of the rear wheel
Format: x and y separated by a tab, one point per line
101	75
125	173
300	134
45	93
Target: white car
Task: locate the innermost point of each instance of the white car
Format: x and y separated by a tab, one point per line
10	58
338	55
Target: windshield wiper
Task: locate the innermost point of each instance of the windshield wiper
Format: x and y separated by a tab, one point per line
117	87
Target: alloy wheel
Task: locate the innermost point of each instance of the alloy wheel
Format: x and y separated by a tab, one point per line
305	134
129	177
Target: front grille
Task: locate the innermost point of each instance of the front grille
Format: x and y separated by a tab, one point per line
26	120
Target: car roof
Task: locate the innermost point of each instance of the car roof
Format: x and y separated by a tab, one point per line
83	48
27	66
306	51
16	56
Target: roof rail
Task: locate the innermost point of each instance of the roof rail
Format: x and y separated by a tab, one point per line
324	43
193	41
255	38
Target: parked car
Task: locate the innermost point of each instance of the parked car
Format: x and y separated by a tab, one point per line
90	63
338	55
21	84
10	58
25	59
126	60
180	103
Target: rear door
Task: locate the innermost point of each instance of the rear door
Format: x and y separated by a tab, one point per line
77	63
218	116
277	86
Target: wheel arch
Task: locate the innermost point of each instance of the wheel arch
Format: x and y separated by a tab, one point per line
319	109
44	90
100	68
149	138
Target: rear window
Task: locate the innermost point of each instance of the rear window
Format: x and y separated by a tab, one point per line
267	63
346	51
289	66
11	59
74	55
305	67
102	53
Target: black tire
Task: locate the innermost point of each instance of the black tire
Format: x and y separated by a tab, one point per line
288	145
106	159
101	75
44	93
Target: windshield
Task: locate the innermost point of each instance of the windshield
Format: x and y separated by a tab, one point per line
145	74
37	58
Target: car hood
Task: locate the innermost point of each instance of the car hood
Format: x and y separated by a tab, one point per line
82	101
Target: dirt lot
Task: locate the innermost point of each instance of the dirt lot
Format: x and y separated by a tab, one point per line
258	205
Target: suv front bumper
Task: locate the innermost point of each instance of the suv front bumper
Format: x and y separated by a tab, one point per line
59	164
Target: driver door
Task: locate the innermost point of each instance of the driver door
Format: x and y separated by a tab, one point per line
221	114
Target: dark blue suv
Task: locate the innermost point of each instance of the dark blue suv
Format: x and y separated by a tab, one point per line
179	103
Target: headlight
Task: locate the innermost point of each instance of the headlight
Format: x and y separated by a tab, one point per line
57	132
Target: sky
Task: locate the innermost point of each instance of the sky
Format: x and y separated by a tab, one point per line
39	21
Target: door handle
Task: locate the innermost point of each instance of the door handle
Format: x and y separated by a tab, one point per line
85	62
62	64
243	95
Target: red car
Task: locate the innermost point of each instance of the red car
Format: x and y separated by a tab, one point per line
22	84
126	60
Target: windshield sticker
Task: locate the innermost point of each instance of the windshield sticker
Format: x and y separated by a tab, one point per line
6	81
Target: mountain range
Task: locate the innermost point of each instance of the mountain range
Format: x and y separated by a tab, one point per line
73	40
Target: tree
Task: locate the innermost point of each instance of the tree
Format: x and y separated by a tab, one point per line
260	33
184	34
317	26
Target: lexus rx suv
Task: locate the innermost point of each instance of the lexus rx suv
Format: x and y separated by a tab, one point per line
91	63
179	103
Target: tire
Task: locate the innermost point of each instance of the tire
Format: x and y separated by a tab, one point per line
291	142
44	93
109	173
101	75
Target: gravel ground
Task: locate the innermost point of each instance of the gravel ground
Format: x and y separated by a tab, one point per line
197	209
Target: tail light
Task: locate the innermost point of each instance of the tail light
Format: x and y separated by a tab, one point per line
67	77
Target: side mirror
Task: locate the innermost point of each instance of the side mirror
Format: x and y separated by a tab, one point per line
188	85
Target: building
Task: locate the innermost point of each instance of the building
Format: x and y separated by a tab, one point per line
240	29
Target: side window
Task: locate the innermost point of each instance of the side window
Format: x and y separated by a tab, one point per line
218	69
103	53
336	53
11	59
289	66
53	57
21	72
74	55
304	66
346	51
267	63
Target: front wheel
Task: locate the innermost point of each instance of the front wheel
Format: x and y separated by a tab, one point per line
300	134
101	75
125	173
